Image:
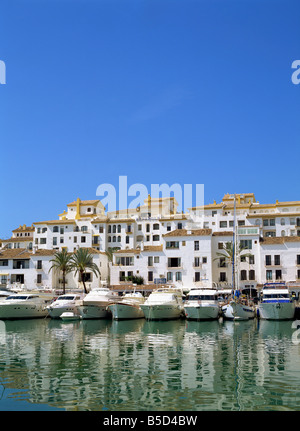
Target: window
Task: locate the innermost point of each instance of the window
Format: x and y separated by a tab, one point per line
222	276
222	262
172	244
109	228
241	223
292	221
268	259
147	227
251	274
61	240
197	261
251	260
42	240
54	240
243	275
127	239
39	279
4	262
155	237
119	228
150	260
61	230
39	264
169	276
119	238
223	223
125	260
179	226
83	239
122	276
150	276
55	228
129	228
272	222
139	227
197	276
114	228
277	259
196	245
204	259
213	213
278	274
282	222
298	259
156	226
269	274
178	276
156	259
265	222
174	262
246	243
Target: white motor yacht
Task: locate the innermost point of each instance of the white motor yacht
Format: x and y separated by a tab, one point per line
276	302
23	306
163	304
64	303
202	304
128	307
95	304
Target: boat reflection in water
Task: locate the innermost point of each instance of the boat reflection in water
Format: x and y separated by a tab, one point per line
153	365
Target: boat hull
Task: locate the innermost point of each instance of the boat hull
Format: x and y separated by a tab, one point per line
201	312
92	311
22	311
56	312
276	310
126	311
237	311
162	311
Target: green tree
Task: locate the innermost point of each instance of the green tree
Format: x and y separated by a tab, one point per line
228	252
62	263
82	260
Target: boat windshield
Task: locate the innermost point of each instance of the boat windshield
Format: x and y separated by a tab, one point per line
65	298
19	297
276	296
201	298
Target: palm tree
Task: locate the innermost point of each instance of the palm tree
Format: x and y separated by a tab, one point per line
81	261
62	263
228	253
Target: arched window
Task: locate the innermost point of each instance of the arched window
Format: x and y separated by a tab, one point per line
109	228
114	239
119	228
156	226
282	233
119	238
84	228
243	274
114	228
282	221
251	274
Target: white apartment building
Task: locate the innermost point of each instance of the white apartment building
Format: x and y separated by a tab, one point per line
160	245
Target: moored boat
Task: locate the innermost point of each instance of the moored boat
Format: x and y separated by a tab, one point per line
163	304
276	302
95	304
64	303
23	306
202	304
238	309
128	307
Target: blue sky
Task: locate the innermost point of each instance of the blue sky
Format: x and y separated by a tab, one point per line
162	91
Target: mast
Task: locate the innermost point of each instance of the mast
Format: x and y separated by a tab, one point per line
234	247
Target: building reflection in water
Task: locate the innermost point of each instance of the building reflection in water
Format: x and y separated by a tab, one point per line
144	365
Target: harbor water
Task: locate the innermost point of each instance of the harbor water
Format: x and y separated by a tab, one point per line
139	365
